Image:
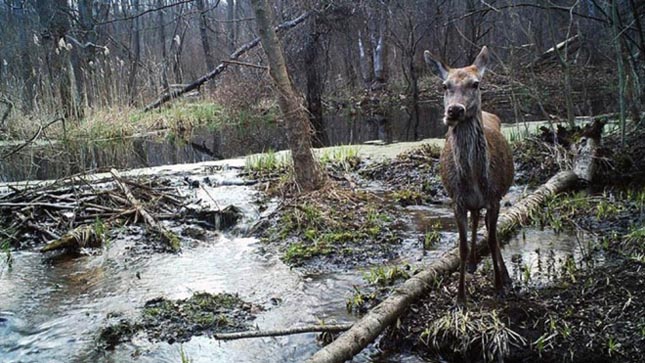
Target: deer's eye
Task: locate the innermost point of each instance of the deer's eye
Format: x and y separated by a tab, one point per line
475	85
444	86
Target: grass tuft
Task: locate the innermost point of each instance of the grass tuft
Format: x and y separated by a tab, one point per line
465	331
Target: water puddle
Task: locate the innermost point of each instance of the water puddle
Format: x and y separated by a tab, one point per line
57	160
536	257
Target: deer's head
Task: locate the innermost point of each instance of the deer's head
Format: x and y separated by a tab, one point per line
462	96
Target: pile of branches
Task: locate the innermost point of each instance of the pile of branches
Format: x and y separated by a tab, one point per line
74	212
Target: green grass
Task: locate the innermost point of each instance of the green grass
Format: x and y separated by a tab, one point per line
178	117
432	236
268	162
385	275
346	157
464	331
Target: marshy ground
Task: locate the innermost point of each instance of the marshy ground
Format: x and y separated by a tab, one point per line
587	308
378	220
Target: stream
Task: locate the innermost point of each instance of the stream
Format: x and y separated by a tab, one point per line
51	308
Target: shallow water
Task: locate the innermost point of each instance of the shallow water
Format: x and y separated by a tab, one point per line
51	309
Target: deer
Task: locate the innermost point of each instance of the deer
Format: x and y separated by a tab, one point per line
476	164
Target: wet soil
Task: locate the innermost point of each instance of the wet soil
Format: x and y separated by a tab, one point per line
592	315
591	312
587	310
360	218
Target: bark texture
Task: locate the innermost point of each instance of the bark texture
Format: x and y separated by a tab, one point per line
308	174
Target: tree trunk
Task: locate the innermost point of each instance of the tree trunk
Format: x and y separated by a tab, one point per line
87	54
203	32
162	43
135	56
384	314
54	19
620	67
308	174
18	17
314	83
381	46
366	56
230	26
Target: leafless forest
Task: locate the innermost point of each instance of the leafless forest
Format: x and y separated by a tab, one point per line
72	58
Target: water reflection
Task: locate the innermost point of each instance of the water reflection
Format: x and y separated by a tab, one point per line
58	160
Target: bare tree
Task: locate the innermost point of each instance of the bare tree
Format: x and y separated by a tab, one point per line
308	174
55	24
203	26
135	56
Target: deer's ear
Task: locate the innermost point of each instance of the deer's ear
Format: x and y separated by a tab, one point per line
438	67
481	62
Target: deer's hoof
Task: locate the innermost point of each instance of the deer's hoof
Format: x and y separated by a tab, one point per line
472	267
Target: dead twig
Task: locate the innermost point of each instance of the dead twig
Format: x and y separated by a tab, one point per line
336	328
167	236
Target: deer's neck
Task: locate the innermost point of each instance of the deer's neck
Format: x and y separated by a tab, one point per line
470	151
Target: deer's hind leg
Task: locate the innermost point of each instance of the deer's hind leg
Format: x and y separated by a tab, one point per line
472	263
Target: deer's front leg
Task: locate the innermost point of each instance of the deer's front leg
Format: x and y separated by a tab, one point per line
472	263
462	220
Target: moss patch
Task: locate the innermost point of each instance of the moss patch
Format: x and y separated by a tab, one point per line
333	227
179	320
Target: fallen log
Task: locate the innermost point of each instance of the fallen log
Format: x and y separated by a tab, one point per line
222	66
335	328
168	237
386	313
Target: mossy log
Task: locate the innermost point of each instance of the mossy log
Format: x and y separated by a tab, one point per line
386	313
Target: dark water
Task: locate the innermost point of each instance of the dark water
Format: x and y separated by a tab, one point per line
60	160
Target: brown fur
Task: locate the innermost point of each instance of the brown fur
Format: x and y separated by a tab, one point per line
476	164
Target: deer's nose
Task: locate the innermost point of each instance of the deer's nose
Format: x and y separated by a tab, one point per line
456	111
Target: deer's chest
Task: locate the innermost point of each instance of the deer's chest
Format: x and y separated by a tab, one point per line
464	180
